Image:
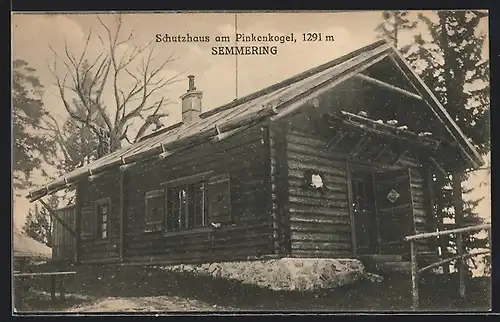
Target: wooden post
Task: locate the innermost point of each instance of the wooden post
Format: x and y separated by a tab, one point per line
53	288
414	276
352	219
19	293
62	294
459	218
377	219
429	192
19	290
22	262
443	240
462	271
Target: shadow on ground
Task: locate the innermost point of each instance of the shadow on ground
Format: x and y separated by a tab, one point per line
389	295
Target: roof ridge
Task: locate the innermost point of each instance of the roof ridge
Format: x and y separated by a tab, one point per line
274	87
160	131
294	79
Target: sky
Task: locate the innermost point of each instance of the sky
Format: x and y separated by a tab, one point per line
222	78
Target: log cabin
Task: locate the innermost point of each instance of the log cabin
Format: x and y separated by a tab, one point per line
335	162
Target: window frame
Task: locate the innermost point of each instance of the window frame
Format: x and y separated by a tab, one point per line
184	182
201	178
99	222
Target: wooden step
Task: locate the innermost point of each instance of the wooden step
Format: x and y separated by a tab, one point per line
394	267
382	258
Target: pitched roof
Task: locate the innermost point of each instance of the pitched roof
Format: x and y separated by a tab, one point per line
27	247
279	98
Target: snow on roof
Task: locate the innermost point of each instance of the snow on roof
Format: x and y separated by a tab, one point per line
27	247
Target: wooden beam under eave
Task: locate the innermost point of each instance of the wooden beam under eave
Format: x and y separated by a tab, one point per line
381	152
381	133
359	146
399	157
388	86
96	176
335	140
438	166
54	215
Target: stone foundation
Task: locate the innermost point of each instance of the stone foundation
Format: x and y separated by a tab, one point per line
291	274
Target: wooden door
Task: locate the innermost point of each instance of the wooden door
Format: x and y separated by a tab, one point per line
393	203
364	212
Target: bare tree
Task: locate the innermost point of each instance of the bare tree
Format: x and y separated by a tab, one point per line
110	68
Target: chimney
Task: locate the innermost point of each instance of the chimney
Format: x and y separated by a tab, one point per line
191	103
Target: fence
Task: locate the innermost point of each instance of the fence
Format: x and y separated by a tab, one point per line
416	272
63	242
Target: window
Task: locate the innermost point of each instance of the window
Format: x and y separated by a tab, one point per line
197	201
155	209
186	206
103	212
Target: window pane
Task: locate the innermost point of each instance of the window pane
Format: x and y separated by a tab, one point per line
183	210
104	226
104	218
190	209
185	206
199	205
104	234
176	207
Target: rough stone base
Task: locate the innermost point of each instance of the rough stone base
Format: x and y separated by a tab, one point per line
297	274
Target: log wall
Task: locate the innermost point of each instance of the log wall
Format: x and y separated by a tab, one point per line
92	249
319	223
274	212
243	156
421	207
319	220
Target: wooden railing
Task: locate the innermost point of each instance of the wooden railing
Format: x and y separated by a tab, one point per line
416	272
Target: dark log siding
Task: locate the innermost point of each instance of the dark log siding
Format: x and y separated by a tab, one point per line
245	157
319	222
93	249
421	215
273	210
279	186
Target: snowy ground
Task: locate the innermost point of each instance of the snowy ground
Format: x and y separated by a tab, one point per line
147	304
137	289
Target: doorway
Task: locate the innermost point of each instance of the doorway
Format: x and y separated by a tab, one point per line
363	206
383	211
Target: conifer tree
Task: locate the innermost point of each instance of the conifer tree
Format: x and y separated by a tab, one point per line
393	24
39	223
449	61
30	146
